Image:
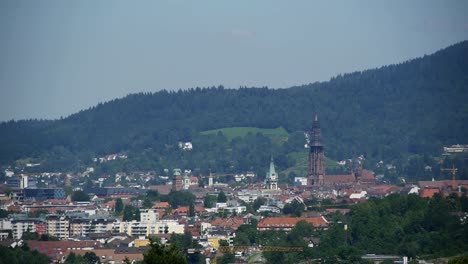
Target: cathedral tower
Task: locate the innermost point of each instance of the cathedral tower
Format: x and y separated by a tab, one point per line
316	169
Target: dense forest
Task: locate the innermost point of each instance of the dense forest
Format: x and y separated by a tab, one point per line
391	113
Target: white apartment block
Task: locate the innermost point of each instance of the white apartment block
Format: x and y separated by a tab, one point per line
58	226
139	228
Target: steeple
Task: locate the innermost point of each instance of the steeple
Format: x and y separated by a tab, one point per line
272	177
272	172
316	170
315	133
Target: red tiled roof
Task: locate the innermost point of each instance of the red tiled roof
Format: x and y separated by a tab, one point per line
185	209
290	222
161	205
162	189
367	175
232	223
52	248
429	192
339	179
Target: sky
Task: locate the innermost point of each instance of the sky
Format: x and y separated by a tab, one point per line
60	57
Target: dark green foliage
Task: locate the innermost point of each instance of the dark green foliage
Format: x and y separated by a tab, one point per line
386	114
4	213
396	225
459	260
131	213
91	258
246	235
179	198
87	258
223	243
258	202
73	258
119	206
19	256
209	201
409	226
79	196
30	236
222	197
191	210
185	242
227	258
161	254
294	208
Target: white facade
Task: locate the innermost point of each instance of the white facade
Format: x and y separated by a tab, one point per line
149	216
5	224
302	181
58	226
136	228
21	226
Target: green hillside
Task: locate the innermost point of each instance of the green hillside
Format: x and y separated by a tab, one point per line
411	109
233	132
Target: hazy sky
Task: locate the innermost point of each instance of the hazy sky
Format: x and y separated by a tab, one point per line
58	57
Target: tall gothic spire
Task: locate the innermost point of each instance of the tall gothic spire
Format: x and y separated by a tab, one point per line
316	168
315	136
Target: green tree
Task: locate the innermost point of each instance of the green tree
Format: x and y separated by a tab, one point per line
131	213
458	260
119	206
161	254
209	201
227	258
222	197
258	202
30	235
79	196
191	210
72	258
294	208
91	258
223	243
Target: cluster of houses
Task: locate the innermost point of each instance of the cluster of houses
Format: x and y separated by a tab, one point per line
38	204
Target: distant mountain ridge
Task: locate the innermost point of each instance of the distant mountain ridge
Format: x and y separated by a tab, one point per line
410	108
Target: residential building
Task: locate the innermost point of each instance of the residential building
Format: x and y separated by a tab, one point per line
21	225
288	223
58	226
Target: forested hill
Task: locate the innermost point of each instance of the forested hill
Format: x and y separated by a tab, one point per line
386	113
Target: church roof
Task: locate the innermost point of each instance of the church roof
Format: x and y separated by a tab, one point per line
338	179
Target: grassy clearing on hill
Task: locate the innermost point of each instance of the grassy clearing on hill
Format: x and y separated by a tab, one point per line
233	132
300	159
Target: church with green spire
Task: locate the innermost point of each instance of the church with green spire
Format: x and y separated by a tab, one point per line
272	177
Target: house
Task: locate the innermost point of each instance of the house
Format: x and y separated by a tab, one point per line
231	223
161	205
288	223
184	210
428	192
118	255
55	249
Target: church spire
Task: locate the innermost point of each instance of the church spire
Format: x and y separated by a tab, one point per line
272	177
316	137
316	160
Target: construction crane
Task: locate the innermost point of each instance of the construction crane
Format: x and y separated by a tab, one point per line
453	171
233	249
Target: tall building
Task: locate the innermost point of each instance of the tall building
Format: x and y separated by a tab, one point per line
316	161
272	177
